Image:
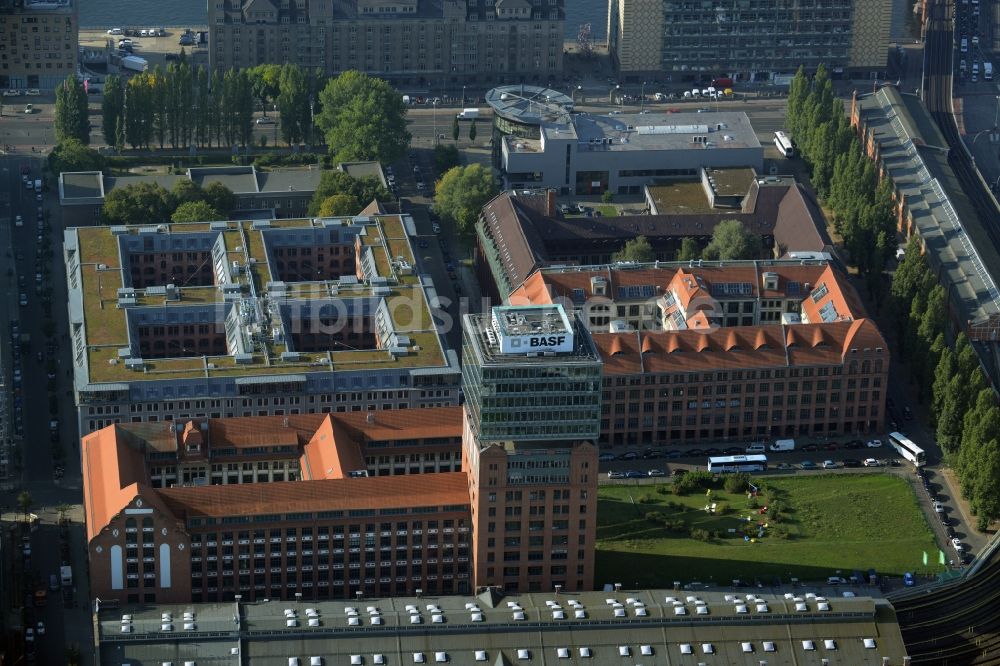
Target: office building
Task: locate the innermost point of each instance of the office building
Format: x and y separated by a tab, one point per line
538	143
532	382
38	43
317	505
271	317
681	41
416	44
623	626
735	351
519	232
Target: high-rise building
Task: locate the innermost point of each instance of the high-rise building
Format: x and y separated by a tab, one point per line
532	382
416	43
748	39
38	42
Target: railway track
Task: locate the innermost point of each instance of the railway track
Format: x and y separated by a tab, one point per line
956	622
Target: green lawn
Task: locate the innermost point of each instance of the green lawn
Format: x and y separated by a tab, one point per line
607	211
843	522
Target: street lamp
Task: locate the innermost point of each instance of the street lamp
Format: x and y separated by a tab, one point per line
434	106
579	90
611	95
463	97
276	126
642	97
996	115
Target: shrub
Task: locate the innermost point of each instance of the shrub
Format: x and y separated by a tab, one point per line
654	517
647	499
722	508
700	534
676	525
663	490
736	483
778	533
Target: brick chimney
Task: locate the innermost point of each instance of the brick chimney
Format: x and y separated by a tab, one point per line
550	202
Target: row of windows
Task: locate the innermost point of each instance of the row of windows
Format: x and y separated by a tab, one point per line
853	367
780	387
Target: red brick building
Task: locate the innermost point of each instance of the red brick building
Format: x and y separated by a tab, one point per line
731	351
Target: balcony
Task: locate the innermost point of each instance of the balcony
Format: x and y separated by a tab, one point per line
148	530
211	544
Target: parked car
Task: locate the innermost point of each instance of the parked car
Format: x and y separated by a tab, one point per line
634	474
836	580
40	628
629	455
810	447
656	472
615	474
854	444
606	457
956	543
829	464
908	579
871	462
266	120
807	464
850	462
939	507
874	444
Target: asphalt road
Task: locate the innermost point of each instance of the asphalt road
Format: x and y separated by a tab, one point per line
21	255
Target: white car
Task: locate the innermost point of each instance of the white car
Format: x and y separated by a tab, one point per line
32	92
956	543
116	31
874	444
266	120
436	227
938	507
41	628
18	222
829	464
871	462
11	93
29	635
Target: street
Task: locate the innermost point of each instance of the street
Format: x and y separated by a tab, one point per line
32	255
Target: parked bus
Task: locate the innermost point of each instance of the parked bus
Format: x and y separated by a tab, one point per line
749	463
907	449
784	144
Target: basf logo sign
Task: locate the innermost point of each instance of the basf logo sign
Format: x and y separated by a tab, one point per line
528	344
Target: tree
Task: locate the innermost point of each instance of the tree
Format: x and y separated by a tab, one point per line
798	90
72	116
456	131
196	211
265	82
293	103
446	157
690	249
71	155
731	240
472	130
637	250
462	192
141	203
24	502
112	108
338	205
219	197
363	118
186	190
364	190
607	197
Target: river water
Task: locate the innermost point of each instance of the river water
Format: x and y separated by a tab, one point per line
160	13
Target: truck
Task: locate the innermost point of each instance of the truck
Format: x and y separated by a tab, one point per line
66	575
468	114
134	63
783	445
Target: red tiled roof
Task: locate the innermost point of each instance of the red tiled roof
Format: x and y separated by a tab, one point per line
113	475
380	492
735	347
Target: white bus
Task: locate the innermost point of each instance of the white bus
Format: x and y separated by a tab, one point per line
784	144
750	463
907	449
